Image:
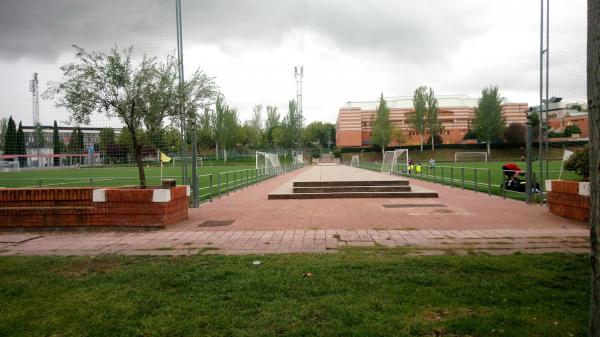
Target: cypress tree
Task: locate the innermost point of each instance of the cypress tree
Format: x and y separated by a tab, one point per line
56	144
10	139
21	149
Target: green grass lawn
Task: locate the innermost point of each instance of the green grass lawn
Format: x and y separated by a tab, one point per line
356	292
106	175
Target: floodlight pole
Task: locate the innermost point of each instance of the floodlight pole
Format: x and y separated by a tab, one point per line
181	80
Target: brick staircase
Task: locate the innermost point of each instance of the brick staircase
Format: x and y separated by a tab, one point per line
353	189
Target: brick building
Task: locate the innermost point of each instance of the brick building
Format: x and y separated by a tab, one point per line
353	128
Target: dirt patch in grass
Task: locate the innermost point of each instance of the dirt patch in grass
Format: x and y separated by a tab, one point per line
87	267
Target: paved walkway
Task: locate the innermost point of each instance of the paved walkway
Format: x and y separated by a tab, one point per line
246	222
295	241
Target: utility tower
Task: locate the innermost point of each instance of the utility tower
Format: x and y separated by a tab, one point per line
34	87
298	76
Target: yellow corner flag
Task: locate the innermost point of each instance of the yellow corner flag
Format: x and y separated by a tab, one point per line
164	158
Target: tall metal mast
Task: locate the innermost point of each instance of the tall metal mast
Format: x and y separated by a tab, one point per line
298	75
34	87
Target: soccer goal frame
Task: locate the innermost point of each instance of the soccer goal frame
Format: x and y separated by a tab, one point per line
297	157
474	155
391	158
355	162
268	162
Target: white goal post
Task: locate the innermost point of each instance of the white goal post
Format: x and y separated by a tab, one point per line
470	156
297	157
391	159
355	161
268	162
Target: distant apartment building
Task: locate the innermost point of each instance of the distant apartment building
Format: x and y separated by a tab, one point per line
561	115
91	135
353	128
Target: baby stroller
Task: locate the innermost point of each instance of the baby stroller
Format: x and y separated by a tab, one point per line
517	184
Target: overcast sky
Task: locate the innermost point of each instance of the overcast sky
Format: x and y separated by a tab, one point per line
351	50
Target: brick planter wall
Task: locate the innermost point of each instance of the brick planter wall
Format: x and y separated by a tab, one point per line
75	207
570	199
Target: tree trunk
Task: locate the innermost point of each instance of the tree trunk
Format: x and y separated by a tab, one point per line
138	158
489	151
432	142
421	140
593	94
217	150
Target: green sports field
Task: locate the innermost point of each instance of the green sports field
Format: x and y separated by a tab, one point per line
482	176
107	175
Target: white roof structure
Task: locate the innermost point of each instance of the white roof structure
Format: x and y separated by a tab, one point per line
406	102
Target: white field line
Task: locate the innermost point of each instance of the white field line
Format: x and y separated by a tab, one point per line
69	182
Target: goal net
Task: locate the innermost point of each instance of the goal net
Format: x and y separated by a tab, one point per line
355	161
391	160
268	163
297	157
470	156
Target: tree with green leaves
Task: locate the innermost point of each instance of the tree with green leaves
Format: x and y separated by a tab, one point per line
256	125
225	126
272	121
3	129
56	144
107	138
292	124
318	133
489	124
434	124
142	96
39	139
418	119
381	126
10	137
21	148
76	145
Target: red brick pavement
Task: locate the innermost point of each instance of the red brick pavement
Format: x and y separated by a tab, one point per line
250	210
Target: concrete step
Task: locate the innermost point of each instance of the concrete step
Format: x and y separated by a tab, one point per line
277	196
333	189
351	183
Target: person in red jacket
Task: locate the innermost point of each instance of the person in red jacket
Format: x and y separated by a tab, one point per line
511	171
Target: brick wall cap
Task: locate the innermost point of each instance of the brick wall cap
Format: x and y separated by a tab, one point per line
99	195
161	195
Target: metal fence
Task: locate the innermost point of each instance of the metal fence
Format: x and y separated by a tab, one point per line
222	183
479	180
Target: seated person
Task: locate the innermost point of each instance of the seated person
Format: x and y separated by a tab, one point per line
511	170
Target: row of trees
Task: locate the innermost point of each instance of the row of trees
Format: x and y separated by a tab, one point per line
14	140
154	107
488	125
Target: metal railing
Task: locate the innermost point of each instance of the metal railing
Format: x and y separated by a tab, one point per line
479	180
215	185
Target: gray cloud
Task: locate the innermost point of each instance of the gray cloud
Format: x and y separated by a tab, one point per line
413	31
45	29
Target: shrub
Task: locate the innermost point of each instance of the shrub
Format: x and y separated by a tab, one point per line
572	130
515	133
554	134
337	153
315	153
580	162
470	135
